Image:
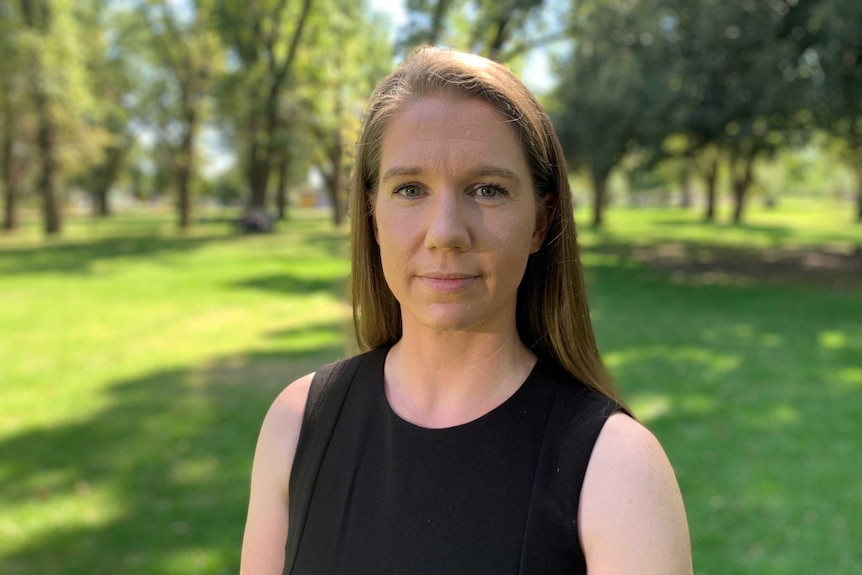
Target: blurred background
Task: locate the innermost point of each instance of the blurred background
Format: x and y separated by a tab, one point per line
174	252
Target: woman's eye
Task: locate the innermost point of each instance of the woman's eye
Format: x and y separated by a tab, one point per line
409	191
490	192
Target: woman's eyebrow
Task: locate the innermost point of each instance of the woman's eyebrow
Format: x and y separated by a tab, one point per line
398	172
500	172
479	171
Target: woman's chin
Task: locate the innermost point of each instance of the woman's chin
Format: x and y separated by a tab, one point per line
453	318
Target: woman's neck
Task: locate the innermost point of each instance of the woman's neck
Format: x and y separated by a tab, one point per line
442	379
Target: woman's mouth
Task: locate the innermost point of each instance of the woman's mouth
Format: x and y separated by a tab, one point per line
447	282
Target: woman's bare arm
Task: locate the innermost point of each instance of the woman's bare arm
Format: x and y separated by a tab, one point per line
631	512
266	524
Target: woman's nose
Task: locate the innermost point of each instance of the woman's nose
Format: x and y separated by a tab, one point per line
448	223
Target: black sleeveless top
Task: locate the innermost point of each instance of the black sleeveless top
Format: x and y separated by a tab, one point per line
498	495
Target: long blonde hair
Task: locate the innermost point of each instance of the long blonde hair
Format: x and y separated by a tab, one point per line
552	316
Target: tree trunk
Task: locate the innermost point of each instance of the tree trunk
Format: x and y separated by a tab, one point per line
859	197
336	155
10	211
47	143
600	185
742	175
499	39
281	197
185	167
685	198
184	204
10	166
857	170
711	178
263	137
336	158
101	203
258	173
262	132
438	21
104	177
333	177
38	17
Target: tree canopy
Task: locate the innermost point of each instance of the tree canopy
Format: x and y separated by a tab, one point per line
96	95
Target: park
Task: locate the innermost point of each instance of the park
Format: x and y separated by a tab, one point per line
144	332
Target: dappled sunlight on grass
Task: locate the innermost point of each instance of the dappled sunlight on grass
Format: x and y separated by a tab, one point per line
44	507
849	378
648	407
682	360
200	560
832	339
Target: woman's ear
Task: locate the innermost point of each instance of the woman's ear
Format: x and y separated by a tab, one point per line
543	221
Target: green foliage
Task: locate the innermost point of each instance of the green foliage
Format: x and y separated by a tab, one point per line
728	81
500	30
336	72
283	83
611	93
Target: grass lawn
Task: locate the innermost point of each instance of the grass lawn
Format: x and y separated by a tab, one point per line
136	364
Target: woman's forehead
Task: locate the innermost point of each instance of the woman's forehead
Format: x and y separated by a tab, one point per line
433	134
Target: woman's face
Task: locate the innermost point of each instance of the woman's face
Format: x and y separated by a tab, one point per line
455	215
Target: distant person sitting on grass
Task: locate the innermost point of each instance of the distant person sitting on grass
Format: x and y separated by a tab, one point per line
479	433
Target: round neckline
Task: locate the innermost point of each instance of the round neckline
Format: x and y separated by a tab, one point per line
473	424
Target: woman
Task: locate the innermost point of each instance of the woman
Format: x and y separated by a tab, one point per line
479	433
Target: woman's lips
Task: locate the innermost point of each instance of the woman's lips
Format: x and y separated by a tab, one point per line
447	283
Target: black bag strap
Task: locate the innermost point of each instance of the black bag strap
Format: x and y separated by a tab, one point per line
325	399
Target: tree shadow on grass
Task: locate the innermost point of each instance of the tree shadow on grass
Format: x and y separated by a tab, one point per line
79	257
291	283
333	243
753	391
170	453
836	267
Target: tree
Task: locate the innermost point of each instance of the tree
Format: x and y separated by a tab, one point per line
12	115
834	61
264	37
51	49
612	91
39	18
427	22
498	29
113	85
337	71
184	55
734	66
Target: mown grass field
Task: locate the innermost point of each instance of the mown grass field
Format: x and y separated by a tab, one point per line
136	364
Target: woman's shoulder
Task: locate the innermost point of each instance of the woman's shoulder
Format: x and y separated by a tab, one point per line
266	524
288	407
631	517
632	514
286	414
279	433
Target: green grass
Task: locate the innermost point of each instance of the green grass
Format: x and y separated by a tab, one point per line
136	364
136	367
795	223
